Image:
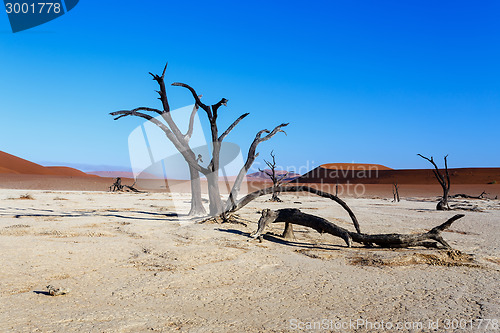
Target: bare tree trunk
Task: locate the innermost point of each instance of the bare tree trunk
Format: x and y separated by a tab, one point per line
443	203
288	232
275	197
215	207
197	208
395	192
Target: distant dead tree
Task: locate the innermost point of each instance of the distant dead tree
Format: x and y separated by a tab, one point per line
444	181
395	191
117	186
275	178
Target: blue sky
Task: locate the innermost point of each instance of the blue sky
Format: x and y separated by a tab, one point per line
359	81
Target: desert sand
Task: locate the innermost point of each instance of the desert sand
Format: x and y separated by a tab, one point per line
130	265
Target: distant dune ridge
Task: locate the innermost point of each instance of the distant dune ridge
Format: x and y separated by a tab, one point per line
354	166
330	173
356	173
16	165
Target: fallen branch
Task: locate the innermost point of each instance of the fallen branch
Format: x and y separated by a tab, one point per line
269	190
295	216
466	196
117	186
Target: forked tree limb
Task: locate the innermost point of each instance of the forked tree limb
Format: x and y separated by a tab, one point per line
217	105
295	216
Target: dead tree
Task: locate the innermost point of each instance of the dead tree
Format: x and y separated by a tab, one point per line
295	216
117	186
181	143
173	133
395	191
275	178
444	181
212	170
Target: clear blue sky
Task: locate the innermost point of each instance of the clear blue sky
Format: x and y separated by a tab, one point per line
362	81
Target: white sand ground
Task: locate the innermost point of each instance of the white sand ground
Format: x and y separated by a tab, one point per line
131	268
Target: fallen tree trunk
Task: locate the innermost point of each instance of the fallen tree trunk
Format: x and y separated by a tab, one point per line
466	196
295	216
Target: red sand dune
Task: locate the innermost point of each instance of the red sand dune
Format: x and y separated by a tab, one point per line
11	164
379	174
354	166
377	180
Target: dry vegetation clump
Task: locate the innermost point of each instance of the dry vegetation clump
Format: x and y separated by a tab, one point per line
23	197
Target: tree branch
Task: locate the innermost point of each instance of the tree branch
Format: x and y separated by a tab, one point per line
269	190
233	125
439	177
189	132
196	98
141	108
250	159
163	91
186	153
216	106
155	121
